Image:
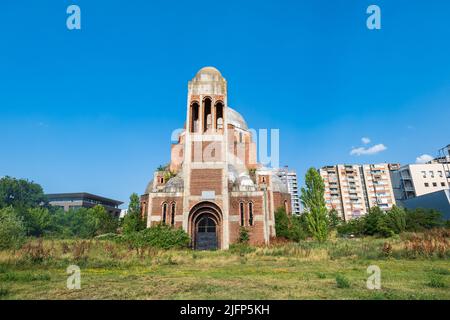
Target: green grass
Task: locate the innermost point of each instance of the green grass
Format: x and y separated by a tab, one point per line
342	281
335	270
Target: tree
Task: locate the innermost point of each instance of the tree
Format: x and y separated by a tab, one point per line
104	222
12	230
375	223
421	219
20	194
314	202
396	219
133	221
289	227
38	221
334	219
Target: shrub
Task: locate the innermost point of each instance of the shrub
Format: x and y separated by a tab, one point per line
289	227
244	236
396	220
4	292
12	229
158	236
353	227
422	219
342	281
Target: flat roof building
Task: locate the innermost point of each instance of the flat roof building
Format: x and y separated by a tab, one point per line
67	201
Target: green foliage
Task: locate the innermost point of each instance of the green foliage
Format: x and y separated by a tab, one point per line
158	236
38	221
353	227
83	222
375	223
421	219
436	281
133	221
290	227
313	199
342	281
12	229
396	220
244	236
334	219
20	193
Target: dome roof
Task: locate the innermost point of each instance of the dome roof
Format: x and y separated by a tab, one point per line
236	119
278	185
149	187
175	184
208	74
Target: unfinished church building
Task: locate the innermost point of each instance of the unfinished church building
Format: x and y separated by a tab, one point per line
213	185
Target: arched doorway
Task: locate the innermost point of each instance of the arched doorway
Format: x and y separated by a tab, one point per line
206	233
205	226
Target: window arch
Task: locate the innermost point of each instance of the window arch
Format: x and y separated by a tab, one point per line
207	115
172	214
241	212
195	112
219	115
250	213
164	213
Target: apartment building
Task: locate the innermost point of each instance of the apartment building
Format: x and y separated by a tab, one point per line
289	177
352	189
415	180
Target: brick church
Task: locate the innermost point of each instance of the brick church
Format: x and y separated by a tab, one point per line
213	184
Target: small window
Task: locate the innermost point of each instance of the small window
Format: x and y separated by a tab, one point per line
442	184
424	174
250	214
427	184
432	174
434	184
241	212
164	213
172	219
441	174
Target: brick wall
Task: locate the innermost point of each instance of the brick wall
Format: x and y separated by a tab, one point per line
206	180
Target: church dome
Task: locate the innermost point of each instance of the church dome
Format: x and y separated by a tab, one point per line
236	119
149	187
175	184
208	74
278	185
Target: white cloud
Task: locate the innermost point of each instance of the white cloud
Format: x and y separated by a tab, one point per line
368	151
424	158
365	140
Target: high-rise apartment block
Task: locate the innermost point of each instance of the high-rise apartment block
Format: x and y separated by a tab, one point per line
289	177
352	190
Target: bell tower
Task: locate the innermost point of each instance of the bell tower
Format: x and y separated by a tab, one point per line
205	157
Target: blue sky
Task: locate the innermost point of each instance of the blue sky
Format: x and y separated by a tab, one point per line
93	109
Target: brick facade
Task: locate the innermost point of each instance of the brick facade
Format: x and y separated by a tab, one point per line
218	187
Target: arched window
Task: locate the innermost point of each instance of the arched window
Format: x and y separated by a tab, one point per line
219	115
164	213
250	214
172	213
241	212
194	116
286	206
207	116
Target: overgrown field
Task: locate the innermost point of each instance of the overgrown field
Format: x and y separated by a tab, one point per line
413	266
